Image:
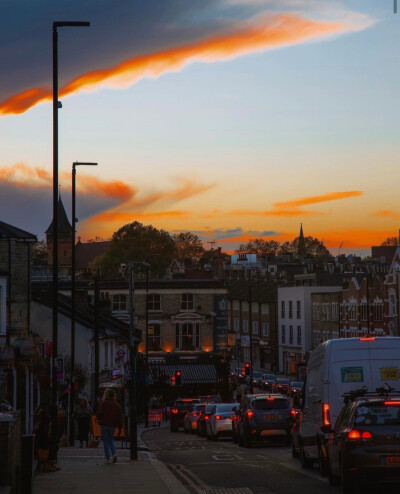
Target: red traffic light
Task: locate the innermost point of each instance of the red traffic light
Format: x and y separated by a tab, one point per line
178	373
247	364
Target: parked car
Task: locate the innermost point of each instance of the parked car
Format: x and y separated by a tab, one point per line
266	381
281	385
191	418
210	399
204	416
179	410
266	418
336	367
220	420
365	443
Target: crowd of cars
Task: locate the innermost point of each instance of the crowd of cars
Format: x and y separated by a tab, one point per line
344	418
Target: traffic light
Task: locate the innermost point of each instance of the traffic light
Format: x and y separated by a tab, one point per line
178	377
247	368
243	371
173	381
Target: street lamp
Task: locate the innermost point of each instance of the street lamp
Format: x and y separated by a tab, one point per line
73	268
56	106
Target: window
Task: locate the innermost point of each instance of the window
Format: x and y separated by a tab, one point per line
392	305
298	309
327	312
119	302
187	336
255	327
291	335
335	311
245	326
265	329
353	311
254	307
154	301
187	302
245	306
290	309
104	295
299	335
236	327
264	309
283	334
106	354
154	337
283	315
236	305
364	311
379	311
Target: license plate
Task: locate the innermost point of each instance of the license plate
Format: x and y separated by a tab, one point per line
271	417
391	460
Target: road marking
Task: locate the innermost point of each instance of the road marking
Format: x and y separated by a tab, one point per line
225	457
309	473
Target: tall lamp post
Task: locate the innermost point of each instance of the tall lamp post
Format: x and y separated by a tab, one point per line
56	106
73	269
251	341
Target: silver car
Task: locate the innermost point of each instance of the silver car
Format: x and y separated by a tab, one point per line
220	422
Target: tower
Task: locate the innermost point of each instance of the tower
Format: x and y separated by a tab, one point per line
64	238
301	248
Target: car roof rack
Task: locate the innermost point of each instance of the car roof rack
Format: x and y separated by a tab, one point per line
383	391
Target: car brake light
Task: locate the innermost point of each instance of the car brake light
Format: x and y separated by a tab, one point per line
355	435
270	399
250	414
367	338
293	413
391	403
325	414
206	417
194	414
218	417
174	410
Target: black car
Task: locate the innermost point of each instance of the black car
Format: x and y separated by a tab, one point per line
204	416
281	385
179	410
365	445
266	382
266	418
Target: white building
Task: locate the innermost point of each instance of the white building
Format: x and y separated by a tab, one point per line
295	337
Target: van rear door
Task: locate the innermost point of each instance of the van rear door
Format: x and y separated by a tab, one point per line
349	370
385	362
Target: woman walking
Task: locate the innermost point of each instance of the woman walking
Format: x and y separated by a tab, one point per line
109	415
83	416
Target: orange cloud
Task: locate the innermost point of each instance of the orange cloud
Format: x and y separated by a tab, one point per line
115	217
329	196
115	189
387	214
292	208
22	176
265	33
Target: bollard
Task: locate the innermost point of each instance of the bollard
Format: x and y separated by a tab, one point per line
26	463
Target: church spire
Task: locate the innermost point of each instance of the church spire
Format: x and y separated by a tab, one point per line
301	248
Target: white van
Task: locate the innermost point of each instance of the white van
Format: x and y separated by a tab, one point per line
336	367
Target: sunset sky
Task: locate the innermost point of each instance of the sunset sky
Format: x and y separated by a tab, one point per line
231	119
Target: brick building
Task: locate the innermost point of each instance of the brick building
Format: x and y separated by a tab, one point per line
325	316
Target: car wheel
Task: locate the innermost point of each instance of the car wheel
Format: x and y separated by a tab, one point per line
173	428
295	453
234	437
322	463
333	479
247	442
347	483
305	462
214	437
240	440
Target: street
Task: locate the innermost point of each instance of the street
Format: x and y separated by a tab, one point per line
205	465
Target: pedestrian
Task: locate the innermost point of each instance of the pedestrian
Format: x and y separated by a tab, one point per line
110	417
83	415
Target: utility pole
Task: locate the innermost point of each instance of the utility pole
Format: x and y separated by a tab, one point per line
250	342
146	398
132	368
96	335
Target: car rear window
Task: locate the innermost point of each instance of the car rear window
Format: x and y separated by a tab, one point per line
282	381
297	384
209	407
210	399
225	408
271	377
271	404
377	414
198	407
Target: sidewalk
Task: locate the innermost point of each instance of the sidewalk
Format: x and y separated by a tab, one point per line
84	470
